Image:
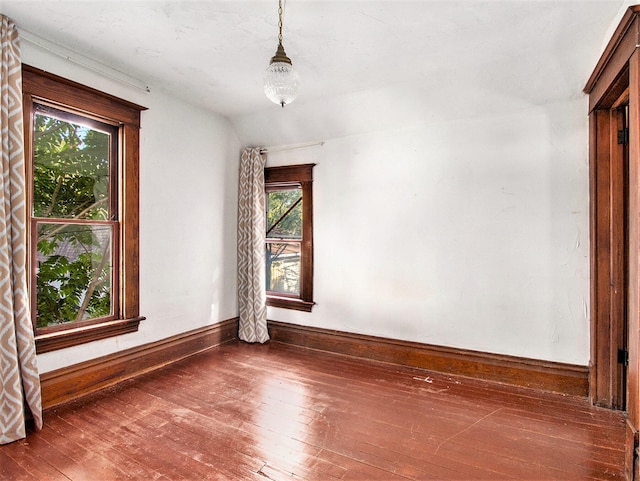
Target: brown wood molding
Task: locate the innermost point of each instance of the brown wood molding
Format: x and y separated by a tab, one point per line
72	382
608	192
284	173
72	337
633	306
44	84
613	60
543	375
290	303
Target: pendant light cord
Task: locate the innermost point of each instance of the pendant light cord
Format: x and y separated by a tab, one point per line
280	21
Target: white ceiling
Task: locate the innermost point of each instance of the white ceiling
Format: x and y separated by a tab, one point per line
213	53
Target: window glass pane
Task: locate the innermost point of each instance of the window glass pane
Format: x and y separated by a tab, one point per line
74	272
284	214
70	170
283	267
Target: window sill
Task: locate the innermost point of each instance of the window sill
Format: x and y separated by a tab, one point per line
73	337
290	303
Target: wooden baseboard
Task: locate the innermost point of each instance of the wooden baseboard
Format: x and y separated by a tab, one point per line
543	375
69	383
72	382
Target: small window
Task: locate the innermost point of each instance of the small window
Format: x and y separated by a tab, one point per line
81	150
284	240
289	237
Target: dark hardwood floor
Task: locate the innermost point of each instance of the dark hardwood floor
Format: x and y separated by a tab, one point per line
251	412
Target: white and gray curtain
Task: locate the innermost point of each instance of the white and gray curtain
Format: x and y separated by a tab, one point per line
251	248
19	378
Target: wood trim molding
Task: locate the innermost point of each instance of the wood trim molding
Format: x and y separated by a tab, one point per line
633	301
608	192
614	82
72	382
80	335
45	84
612	62
543	375
284	173
290	303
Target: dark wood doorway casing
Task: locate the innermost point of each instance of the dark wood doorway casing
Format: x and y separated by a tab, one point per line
609	226
615	228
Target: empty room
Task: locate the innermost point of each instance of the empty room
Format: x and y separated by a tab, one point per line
320	240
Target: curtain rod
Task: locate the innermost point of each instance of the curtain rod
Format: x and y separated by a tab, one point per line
82	60
280	148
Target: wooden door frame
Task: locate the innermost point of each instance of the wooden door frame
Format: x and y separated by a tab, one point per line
615	81
608	196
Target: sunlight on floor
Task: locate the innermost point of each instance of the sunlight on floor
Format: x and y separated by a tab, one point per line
284	428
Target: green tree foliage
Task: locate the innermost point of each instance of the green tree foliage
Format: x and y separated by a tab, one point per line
284	214
284	221
70	182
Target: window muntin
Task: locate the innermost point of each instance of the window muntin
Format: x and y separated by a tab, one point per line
289	236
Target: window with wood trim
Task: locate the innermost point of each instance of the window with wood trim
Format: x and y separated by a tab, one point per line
81	152
289	236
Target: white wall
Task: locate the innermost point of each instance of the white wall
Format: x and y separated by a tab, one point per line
188	191
453	214
453	211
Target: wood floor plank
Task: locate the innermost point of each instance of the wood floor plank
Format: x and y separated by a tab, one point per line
12	469
190	455
78	430
242	444
559	475
277	412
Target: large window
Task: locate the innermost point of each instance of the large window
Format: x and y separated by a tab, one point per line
82	178
289	236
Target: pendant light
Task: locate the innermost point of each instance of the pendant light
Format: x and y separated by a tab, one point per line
281	81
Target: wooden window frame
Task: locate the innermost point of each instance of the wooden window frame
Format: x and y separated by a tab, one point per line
43	87
287	176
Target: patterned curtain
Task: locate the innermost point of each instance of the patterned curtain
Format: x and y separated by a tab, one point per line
251	248
19	378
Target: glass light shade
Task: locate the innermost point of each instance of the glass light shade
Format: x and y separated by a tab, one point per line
281	82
